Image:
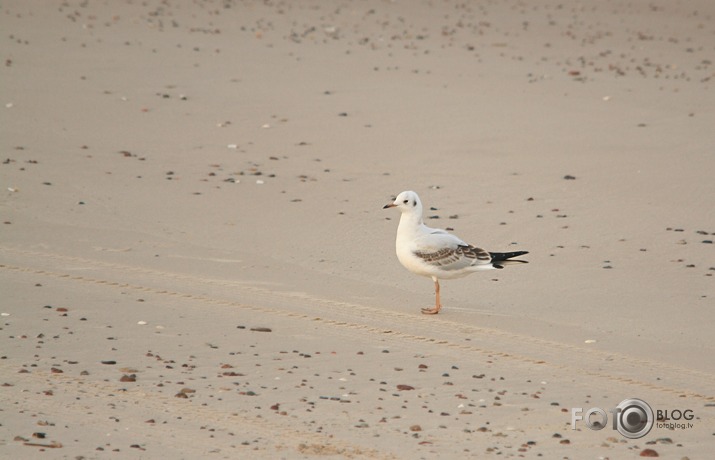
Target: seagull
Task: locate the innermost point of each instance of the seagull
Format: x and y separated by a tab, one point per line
436	253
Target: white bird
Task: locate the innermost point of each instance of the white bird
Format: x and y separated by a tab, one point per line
436	253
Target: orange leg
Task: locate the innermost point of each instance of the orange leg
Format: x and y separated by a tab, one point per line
437	304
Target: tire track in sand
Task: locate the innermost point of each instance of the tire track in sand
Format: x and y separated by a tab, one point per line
381	322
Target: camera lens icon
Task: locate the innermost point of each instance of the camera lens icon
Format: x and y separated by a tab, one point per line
634	418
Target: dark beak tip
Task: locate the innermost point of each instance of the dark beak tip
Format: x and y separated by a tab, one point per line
388	206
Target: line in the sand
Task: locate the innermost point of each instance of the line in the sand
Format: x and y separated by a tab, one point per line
393	332
348	309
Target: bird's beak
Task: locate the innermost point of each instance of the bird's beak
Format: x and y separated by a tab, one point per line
391	205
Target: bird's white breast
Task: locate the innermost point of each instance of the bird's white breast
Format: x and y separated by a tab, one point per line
412	237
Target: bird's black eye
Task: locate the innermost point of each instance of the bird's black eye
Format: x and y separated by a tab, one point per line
414	203
405	201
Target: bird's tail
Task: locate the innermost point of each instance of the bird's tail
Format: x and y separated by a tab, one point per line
499	259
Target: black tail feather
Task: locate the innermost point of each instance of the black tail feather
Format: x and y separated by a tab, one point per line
505	256
500	256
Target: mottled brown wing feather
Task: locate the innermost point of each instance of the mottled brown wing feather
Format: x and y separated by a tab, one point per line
449	256
475	253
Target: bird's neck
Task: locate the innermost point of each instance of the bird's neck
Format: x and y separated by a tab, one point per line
410	223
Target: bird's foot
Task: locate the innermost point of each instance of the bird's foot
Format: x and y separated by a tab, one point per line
431	311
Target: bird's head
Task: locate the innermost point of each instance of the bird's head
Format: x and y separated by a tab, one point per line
406	202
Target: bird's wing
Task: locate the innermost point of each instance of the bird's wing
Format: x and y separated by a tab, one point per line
448	252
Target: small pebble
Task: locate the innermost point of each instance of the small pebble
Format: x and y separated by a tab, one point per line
128	378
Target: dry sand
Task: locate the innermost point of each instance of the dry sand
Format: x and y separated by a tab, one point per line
195	262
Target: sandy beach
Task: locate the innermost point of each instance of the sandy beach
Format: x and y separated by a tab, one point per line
195	262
